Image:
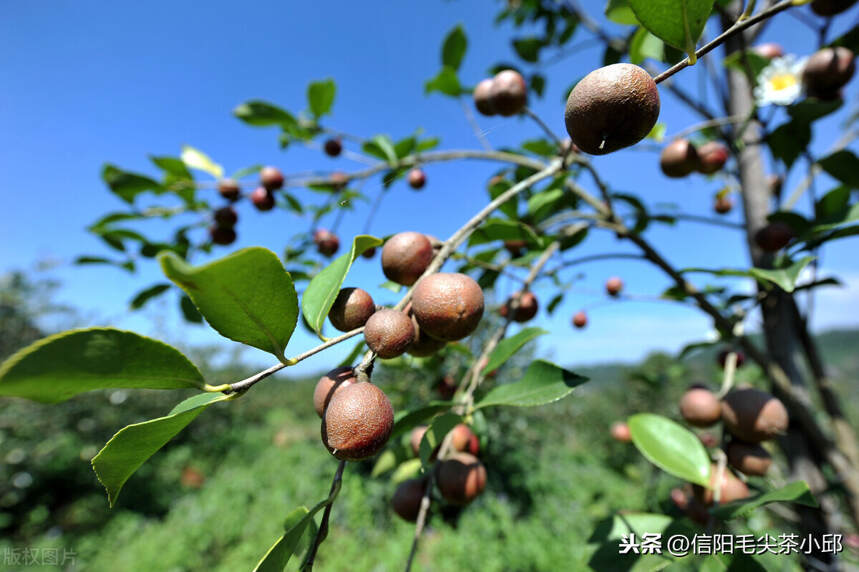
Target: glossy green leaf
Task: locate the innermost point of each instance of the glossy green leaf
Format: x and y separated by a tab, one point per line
507	347
645	45
677	22
542	383
619	12
277	557
671	447
133	445
529	48
406	470
320	97
246	296
812	109
407	420
381	147
324	287
264	114
436	433
788	140
510	207
502	229
63	365
545	203
128	185
196	159
446	82
796	492
844	166
785	277
453	48
147	294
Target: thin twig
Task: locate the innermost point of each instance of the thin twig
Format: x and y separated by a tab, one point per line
530	113
322	531
478	132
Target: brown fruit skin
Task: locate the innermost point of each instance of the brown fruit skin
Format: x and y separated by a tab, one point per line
723	205
679	158
712	156
463	439
405	257
446	387
774	236
407	498
613	286
389	333
417	179
331	382
415	439
732	488
508	93
369	253
827	71
620	432
723	357
700	407
515	247
262	199
526	309
752	415
580	320
327	243
483	98
423	345
448	306
333	147
612	107
769	50
830	7
357	422
222	235
748	458
271	178
338	180
226	216
775	184
351	309
229	189
461	478
679	498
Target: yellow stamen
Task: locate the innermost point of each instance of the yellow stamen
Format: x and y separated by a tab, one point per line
782	81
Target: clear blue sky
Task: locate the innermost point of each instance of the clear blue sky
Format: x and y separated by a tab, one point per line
85	83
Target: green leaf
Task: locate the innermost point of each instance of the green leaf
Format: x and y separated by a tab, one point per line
658	132
502	229
812	109
128	185
264	114
134	444
545	203
542	383
246	296
382	147
788	140
440	426
63	365
189	311
277	557
671	447
844	166
453	49
510	207
509	346
147	294
739	59
320	97
784	278
407	420
619	12
849	39
446	82
796	492
196	159
677	22
324	287
619	525
645	45
529	48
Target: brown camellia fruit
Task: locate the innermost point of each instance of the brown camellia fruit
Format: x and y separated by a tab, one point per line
700	407
463	439
271	178
229	189
389	333
752	415
769	50
416	437
405	257
417	178
525	310
722	357
333	147
515	247
620	432
331	382
357	422
679	498
775	184
748	458
723	205
508	93
580	320
351	309
262	199
369	253
830	7
483	97
327	243
828	70
338	180
732	488
461	478
612	107
774	236
407	498
448	306
226	216
712	156
679	158
446	387
613	286
424	345
222	235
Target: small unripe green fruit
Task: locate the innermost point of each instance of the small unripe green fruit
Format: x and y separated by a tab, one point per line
357	422
461	478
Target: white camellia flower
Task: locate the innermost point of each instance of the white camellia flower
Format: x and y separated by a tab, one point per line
780	83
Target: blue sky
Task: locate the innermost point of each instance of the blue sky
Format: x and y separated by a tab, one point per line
85	83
